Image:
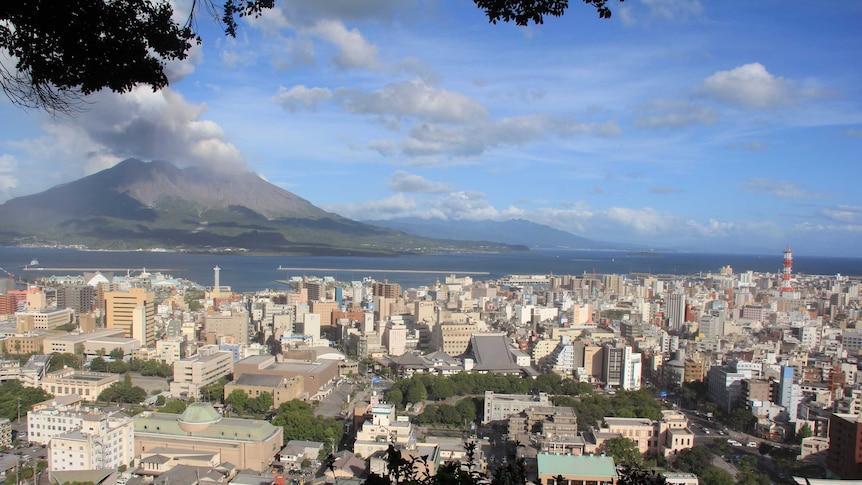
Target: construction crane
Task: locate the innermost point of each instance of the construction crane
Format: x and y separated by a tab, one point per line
11	276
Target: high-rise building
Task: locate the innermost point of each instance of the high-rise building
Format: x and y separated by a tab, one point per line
386	290
845	446
675	311
134	311
81	298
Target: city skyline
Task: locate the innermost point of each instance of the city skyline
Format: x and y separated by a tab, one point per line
674	124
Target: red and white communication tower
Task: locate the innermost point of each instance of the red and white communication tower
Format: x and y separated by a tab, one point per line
785	275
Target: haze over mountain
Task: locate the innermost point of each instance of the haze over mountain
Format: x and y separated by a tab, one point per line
512	231
139	204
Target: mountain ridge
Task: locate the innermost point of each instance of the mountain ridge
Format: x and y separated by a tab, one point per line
137	204
510	231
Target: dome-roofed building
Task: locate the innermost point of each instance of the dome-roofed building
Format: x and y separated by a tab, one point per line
245	443
198	417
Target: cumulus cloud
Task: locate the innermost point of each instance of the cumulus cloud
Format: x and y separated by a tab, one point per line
664	113
300	96
783	189
407	182
140	124
354	51
413	98
751	86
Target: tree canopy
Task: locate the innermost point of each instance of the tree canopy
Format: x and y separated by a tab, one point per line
61	50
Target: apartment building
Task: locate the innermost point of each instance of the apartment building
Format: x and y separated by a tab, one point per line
202	369
102	441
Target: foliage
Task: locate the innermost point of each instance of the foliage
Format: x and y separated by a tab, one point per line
522	12
623	450
215	391
715	476
193	299
123	391
299	423
11	391
238	399
174	407
635	475
693	460
151	368
470	384
742	420
61	361
804	432
627	404
462	413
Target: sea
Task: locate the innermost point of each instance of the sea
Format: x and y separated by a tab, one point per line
245	273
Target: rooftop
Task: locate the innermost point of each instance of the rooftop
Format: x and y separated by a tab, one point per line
583	466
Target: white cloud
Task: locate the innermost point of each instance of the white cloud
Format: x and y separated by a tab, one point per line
663	113
665	190
751	86
649	10
353	50
406	182
8	179
413	98
397	205
675	9
140	124
177	69
430	139
300	96
783	189
843	213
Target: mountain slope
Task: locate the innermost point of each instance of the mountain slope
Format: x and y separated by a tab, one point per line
137	204
513	231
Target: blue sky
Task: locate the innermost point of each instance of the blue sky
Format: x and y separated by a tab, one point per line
733	125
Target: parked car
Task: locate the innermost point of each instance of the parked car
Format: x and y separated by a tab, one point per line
751	444
734	443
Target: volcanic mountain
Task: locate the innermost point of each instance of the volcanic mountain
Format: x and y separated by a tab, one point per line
139	204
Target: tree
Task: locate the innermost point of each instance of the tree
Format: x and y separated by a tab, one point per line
716	476
238	399
174	407
804	432
623	450
522	12
117	354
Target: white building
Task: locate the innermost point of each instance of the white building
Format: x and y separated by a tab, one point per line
103	441
200	370
170	350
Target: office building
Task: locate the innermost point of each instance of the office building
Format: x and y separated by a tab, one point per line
134	311
202	369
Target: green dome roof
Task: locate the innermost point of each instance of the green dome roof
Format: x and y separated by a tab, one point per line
199	413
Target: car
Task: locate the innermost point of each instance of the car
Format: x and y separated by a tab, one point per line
734	443
751	444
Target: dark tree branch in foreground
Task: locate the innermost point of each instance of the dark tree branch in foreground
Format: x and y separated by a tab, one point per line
55	52
522	12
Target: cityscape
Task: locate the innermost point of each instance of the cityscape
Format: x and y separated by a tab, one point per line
143	377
